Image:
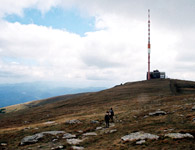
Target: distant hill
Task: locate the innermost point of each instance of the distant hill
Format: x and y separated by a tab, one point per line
133	104
11	94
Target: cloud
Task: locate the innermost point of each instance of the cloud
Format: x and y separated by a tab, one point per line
115	53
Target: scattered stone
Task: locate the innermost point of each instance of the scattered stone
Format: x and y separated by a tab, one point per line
57	148
179	135
61	146
146	116
38	136
157	113
193	119
112	124
98	128
193	108
95	122
90	134
73	141
141	142
69	136
49	122
80	131
27	128
139	136
3	144
36	128
25	122
112	131
31	139
74	121
77	147
54	140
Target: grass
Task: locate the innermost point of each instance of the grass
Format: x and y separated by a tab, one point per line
131	103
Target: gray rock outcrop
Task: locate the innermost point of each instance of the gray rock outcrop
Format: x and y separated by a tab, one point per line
139	136
74	141
34	138
179	135
157	113
68	136
74	121
90	134
77	147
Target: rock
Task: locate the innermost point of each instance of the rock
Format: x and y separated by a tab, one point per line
49	122
36	137
112	124
57	148
90	134
74	141
112	131
77	147
31	139
98	128
25	122
53	132
74	121
141	142
54	140
95	122
69	136
193	108
3	144
193	119
157	113
139	136
146	116
36	128
80	131
179	135
61	146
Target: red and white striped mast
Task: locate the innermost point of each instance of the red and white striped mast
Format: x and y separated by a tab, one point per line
149	44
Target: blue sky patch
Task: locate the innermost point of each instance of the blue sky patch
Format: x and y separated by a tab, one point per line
57	18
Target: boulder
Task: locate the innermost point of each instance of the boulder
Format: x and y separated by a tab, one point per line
34	138
179	135
31	139
157	113
90	134
74	121
112	131
77	147
49	122
73	141
139	136
3	144
141	142
69	136
95	122
98	128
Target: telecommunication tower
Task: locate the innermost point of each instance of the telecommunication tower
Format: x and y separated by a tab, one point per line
149	46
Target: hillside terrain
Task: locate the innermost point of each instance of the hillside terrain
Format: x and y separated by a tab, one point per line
136	106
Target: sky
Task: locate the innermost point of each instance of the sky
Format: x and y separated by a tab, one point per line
83	43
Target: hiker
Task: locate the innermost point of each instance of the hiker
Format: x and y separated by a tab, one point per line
111	114
107	118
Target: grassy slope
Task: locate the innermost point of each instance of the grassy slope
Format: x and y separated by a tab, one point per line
131	102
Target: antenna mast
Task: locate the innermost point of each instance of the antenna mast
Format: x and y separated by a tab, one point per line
148	44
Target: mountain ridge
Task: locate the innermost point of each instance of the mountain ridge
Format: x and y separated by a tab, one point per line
132	103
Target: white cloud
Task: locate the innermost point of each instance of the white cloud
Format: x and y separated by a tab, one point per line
116	53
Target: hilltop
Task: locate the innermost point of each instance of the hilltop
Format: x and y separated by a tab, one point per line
132	103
